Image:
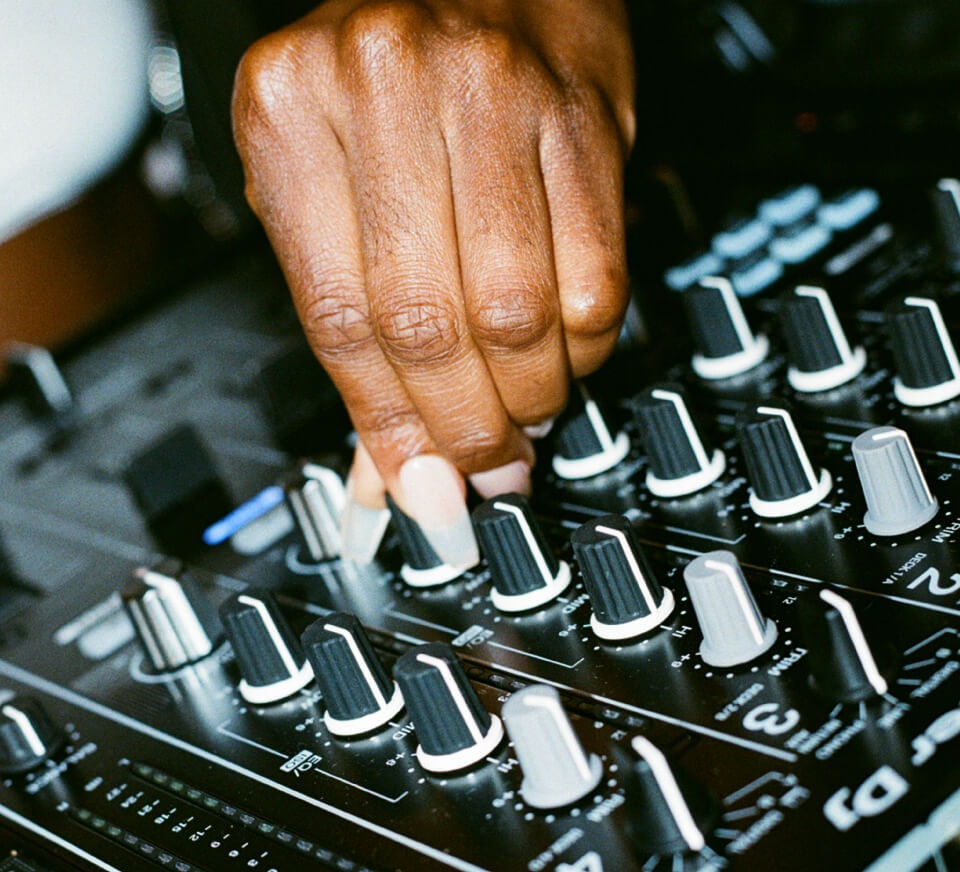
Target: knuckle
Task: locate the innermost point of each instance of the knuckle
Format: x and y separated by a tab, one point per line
417	328
491	64
391	425
596	310
475	446
515	317
266	83
335	325
376	40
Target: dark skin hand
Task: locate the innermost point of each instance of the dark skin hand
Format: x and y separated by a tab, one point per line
442	181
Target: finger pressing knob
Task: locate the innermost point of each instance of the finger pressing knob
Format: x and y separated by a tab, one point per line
820	357
734	630
584	444
27	735
626	597
175	622
556	770
680	461
925	359
783	482
668	812
725	344
316	498
898	498
525	572
268	653
455	731
358	693
421	565
842	664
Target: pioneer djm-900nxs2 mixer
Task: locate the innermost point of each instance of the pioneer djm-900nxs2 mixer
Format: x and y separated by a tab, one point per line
726	634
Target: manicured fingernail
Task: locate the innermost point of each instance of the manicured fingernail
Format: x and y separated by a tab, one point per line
538	431
432	494
511	478
361	530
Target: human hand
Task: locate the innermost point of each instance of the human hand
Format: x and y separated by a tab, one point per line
442	181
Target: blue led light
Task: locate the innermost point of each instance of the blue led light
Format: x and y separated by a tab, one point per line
256	507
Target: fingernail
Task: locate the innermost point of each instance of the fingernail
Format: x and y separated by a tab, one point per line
511	478
361	531
432	494
538	431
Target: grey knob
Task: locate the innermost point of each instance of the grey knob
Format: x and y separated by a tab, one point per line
556	770
316	499
175	622
734	630
897	496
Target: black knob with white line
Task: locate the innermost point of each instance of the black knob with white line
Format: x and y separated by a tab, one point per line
783	481
316	498
925	358
820	357
896	492
268	653
584	445
556	770
453	728
524	570
680	461
626	596
946	201
421	565
734	630
175	622
842	664
27	735
725	344
668	812
359	695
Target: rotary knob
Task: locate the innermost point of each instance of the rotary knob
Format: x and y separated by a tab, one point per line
359	695
946	201
668	811
680	460
820	357
316	498
175	622
421	565
842	664
725	344
927	370
271	661
525	572
898	498
556	770
783	482
626	597
27	735
734	630
584	444
455	731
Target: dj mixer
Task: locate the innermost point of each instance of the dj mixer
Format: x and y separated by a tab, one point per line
724	632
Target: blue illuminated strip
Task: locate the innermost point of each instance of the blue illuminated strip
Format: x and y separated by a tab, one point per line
256	507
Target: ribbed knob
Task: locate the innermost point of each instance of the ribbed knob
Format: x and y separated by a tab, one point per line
556	770
523	568
927	370
626	597
842	664
820	357
583	442
453	728
27	735
946	201
316	499
725	344
175	622
358	693
668	812
898	499
268	653
421	565
783	482
734	630
679	459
